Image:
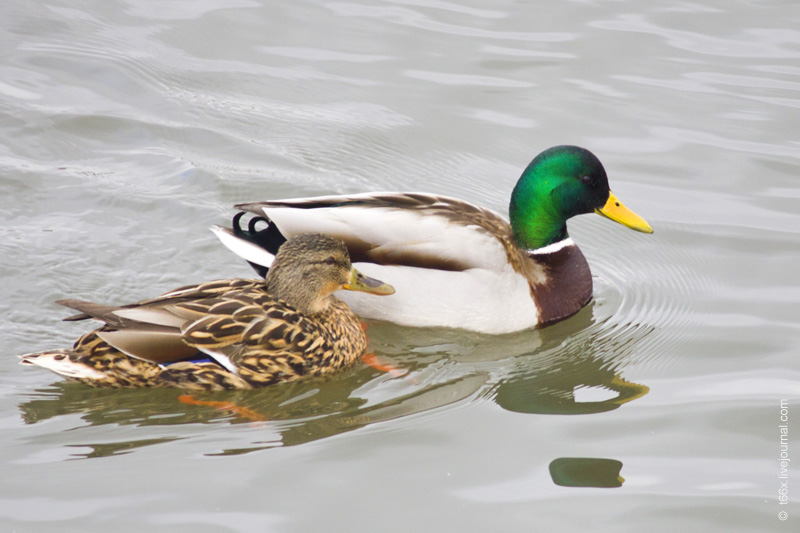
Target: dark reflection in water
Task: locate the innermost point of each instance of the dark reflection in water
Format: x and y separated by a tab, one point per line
528	395
299	413
586	472
534	372
591	359
116	448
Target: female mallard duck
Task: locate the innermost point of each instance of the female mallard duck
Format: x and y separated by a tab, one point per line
227	334
455	264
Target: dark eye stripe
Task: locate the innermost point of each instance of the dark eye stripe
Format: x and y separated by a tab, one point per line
327	261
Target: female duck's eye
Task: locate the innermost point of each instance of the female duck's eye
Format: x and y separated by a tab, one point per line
586	179
330	261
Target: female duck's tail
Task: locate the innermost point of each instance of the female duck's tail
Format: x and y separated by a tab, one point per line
63	363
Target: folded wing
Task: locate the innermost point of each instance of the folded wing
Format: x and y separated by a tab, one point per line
406	229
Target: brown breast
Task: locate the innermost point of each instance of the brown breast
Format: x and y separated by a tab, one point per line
568	285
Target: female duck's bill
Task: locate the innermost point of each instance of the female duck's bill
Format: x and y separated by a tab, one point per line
360	282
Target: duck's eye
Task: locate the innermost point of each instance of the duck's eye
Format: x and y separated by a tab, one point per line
586	179
330	261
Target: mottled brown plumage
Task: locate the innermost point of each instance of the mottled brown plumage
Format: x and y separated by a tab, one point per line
254	333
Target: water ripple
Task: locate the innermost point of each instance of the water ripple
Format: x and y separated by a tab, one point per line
756	43
415	19
648	292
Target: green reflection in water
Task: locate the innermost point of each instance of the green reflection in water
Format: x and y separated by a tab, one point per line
549	396
578	355
586	472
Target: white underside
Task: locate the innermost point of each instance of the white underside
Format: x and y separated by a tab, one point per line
477	299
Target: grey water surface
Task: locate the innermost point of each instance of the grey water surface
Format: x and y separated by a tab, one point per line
128	127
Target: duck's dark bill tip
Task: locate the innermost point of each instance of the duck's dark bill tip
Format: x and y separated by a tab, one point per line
360	282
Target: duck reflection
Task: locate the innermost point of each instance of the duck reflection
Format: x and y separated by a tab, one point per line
576	370
537	372
294	413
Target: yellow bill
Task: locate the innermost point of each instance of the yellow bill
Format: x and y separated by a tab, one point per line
360	282
619	213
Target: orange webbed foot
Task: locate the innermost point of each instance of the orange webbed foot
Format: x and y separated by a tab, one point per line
238	410
372	360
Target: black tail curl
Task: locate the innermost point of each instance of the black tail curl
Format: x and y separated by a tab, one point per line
268	238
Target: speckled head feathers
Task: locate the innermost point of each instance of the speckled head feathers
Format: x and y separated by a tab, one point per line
308	268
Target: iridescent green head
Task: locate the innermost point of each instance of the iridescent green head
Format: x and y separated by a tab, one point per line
560	183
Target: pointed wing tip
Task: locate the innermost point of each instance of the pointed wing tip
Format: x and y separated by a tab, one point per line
78	305
220	230
257	208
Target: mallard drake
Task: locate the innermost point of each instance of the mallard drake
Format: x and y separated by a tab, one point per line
227	334
455	264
